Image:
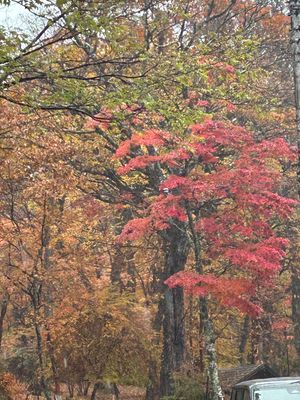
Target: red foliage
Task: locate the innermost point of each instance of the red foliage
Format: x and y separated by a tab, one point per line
222	171
166	207
138	162
202	103
174	181
281	325
218	133
101	120
151	137
229	292
135	228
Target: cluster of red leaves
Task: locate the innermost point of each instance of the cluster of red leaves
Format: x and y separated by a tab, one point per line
101	120
264	256
131	116
228	292
233	179
151	137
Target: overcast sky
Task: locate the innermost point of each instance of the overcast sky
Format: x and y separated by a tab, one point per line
12	16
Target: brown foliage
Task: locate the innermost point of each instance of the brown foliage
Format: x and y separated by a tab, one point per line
11	389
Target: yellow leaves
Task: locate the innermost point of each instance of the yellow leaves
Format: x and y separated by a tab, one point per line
274	164
101	324
134	179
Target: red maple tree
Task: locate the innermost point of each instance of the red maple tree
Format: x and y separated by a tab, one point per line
223	186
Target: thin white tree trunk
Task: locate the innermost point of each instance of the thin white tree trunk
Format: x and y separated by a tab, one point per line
210	350
208	328
295	42
295	39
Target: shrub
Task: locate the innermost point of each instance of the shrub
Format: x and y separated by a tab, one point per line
187	388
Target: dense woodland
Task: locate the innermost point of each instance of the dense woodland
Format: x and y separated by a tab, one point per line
148	197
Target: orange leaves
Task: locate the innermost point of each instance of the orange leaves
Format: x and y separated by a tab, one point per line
97	333
151	137
276	26
11	389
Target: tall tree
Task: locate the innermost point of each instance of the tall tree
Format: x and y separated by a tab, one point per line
295	39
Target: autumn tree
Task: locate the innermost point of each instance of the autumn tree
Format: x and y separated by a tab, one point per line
159	69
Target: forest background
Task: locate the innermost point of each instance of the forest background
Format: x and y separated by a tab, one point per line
149	221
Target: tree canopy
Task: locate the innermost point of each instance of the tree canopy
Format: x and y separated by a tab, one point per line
149	197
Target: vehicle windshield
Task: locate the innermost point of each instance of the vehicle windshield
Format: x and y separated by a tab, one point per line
290	391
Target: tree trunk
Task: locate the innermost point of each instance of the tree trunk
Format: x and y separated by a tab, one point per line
296	307
208	328
57	390
201	345
210	350
256	341
41	359
295	39
71	390
86	386
244	339
117	263
167	362
152	390
153	386
176	250
267	332
97	386
115	391
3	310
131	270
122	257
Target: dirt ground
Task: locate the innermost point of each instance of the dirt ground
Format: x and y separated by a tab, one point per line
131	393
126	393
